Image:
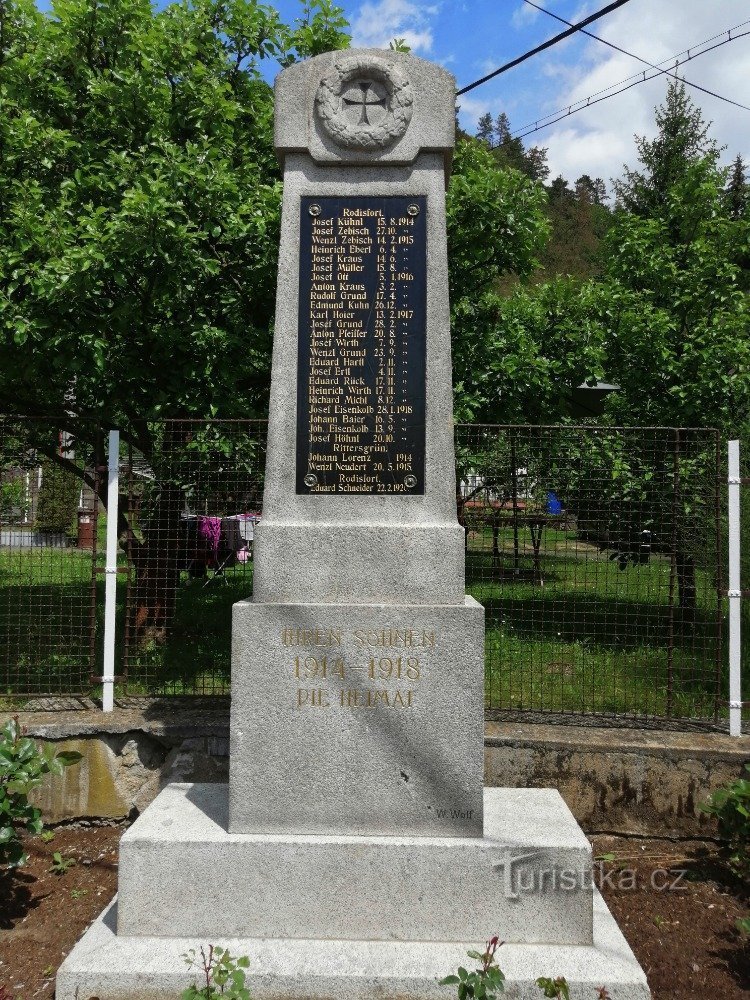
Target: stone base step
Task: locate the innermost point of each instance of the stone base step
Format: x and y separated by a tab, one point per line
113	967
528	879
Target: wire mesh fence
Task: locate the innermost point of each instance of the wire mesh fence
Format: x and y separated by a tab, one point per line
193	502
596	551
597	555
48	546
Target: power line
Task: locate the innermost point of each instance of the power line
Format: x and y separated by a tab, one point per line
632	55
637	78
545	45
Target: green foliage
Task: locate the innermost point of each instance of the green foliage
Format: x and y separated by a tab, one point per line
580	219
60	864
667	320
737	190
558	988
223	976
11	499
22	767
679	345
322	28
58	499
496	227
484	983
140	206
682	140
544	341
731	807
743	925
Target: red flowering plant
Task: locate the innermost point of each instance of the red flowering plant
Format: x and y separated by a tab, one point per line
483	984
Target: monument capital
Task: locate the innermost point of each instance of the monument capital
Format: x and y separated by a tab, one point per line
365	106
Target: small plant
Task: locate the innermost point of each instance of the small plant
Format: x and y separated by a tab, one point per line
484	983
223	975
731	807
78	893
47	836
60	864
558	988
743	924
22	766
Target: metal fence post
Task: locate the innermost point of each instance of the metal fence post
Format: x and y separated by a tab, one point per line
110	591
734	592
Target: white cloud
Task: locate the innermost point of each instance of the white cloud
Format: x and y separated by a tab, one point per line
472	109
378	22
599	139
525	14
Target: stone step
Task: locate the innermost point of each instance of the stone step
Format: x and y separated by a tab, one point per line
106	965
528	879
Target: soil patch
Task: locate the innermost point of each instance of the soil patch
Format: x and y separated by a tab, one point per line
677	906
682	928
42	914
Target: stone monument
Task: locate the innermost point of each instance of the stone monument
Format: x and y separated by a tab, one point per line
355	852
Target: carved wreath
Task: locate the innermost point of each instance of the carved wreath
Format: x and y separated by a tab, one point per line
364	134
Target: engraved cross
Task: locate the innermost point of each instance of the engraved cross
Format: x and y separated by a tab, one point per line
363	103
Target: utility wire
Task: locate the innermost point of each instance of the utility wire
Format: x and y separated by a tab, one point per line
545	45
632	55
637	78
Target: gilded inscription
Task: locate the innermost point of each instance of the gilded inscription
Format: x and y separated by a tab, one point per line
340	668
361	359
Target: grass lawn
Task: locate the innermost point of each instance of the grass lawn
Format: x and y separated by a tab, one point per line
591	637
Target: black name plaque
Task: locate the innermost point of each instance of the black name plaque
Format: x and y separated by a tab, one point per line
361	364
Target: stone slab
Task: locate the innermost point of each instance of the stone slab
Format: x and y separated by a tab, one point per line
347	753
149	968
530	875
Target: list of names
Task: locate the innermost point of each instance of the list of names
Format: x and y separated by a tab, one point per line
361	357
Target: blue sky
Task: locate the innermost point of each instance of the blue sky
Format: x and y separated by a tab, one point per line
473	37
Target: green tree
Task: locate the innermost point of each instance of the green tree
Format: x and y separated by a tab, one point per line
592	190
139	219
140	205
668	321
510	152
737	189
683	138
496	228
486	129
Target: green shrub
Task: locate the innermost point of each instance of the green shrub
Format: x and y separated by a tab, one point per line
11	499
221	975
58	499
484	983
731	807
22	767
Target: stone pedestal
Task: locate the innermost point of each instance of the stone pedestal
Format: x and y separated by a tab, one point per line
347	916
355	853
357	719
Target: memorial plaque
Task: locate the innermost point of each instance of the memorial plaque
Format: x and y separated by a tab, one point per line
361	366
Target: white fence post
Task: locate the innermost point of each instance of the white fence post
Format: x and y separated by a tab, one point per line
110	589
734	592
